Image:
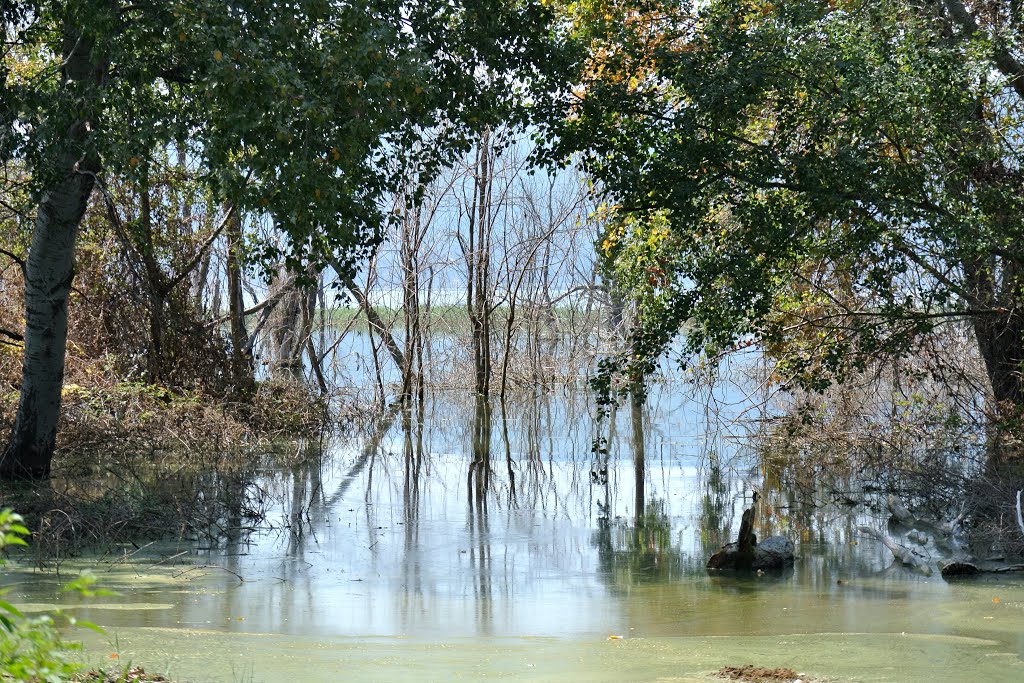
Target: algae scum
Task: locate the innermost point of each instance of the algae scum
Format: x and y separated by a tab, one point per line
442	551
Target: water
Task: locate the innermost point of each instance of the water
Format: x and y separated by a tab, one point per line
454	551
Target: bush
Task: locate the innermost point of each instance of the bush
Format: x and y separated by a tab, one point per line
31	648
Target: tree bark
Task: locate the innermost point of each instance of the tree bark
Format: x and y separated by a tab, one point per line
992	285
49	271
155	284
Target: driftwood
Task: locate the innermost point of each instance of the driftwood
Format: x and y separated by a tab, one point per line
965	567
747	541
947	539
775	552
958	568
918	537
945	534
903	555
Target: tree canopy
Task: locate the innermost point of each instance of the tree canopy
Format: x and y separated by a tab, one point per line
306	111
295	109
828	179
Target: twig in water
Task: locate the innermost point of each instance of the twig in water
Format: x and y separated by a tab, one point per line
170	557
127	556
217	566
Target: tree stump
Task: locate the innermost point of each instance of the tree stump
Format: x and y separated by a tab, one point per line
775	552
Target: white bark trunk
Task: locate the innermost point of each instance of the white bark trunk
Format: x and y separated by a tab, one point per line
49	270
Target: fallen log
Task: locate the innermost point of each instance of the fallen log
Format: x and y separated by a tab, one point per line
958	568
918	537
903	555
967	567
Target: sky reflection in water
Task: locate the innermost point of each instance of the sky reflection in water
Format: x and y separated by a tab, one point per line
420	535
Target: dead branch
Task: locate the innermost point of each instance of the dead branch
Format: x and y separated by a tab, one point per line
903	555
20	338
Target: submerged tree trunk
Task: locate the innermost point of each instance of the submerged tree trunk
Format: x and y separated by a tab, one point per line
48	274
478	260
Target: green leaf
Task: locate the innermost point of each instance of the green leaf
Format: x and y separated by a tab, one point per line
10	609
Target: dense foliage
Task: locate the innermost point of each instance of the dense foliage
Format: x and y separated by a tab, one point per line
296	109
831	180
302	114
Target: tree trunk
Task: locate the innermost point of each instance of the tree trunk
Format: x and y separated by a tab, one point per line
1001	343
636	405
48	274
411	239
372	317
155	284
478	258
285	325
236	304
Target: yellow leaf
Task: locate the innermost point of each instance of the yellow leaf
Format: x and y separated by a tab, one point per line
217	56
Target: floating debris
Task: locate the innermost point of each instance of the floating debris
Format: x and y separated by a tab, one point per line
135	674
749	673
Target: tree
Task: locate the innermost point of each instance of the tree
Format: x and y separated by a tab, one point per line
837	178
290	108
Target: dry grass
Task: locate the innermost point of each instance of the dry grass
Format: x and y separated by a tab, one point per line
136	462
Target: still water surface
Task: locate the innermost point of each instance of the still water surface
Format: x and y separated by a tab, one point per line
476	545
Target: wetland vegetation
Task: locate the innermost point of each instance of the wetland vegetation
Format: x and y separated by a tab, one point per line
415	340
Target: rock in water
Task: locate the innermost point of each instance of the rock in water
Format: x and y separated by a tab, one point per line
774	552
